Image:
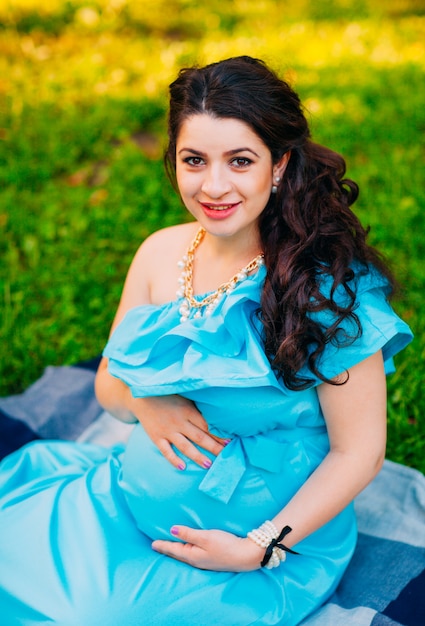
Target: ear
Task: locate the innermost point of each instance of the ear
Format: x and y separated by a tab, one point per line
280	167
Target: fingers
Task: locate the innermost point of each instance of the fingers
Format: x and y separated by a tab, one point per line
190	551
202	436
175	426
184	446
189	535
211	549
185	552
205	440
186	442
168	453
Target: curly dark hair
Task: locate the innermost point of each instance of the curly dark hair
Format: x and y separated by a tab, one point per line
307	228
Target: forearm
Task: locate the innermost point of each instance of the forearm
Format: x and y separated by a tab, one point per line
355	415
113	394
333	485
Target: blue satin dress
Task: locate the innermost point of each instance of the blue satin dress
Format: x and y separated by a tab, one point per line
77	520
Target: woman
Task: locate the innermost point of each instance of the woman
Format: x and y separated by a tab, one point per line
260	391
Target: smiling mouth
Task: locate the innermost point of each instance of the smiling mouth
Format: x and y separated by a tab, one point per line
221	207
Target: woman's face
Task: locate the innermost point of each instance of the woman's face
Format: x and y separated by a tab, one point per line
224	174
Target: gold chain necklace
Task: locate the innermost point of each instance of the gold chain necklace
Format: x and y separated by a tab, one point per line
207	304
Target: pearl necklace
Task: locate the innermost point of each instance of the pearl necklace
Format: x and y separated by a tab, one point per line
207	304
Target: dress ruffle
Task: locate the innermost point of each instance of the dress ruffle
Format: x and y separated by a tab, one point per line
155	354
381	328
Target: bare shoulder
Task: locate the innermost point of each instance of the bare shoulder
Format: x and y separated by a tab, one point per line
153	274
170	241
156	260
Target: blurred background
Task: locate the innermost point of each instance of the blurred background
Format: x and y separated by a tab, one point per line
83	97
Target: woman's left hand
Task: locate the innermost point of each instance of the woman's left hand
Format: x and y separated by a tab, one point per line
212	550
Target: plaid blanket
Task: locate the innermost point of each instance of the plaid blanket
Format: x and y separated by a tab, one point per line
384	584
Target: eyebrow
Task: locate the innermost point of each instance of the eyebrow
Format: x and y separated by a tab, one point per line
228	153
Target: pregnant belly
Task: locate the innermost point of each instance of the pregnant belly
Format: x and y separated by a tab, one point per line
160	495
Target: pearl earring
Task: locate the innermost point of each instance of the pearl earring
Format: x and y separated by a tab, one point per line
277	181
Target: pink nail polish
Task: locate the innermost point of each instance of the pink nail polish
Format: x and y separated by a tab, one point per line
207	464
181	466
227	441
174	531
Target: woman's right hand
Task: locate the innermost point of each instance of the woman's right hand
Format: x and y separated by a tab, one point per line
175	422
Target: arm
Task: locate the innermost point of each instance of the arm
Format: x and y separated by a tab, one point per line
172	420
355	415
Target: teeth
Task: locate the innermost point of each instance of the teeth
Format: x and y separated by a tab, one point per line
220	208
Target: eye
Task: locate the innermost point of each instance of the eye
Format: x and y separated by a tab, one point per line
195	161
241	162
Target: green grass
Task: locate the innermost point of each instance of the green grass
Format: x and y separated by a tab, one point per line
82	128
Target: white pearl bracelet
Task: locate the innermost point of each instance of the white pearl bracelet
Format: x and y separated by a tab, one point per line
263	537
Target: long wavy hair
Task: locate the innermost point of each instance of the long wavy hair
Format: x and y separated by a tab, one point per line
307	228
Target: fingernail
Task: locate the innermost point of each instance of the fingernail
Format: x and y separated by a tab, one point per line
174	530
227	441
181	466
207	464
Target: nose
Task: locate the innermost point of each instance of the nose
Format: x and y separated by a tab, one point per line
216	182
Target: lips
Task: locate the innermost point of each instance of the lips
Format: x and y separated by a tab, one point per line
219	207
220	211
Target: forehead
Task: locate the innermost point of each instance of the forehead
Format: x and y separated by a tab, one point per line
217	133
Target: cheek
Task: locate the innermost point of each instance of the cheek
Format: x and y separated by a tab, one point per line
186	184
262	185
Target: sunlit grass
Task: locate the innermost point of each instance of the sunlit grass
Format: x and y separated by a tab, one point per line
82	126
93	57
